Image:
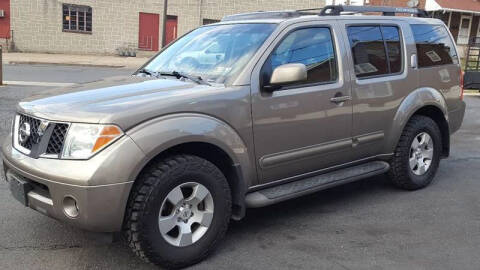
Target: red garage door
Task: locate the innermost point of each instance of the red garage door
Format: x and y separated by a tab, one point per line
148	31
171	29
5	20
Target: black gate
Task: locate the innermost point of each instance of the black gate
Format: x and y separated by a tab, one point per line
471	79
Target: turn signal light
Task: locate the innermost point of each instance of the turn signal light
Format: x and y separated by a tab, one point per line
108	134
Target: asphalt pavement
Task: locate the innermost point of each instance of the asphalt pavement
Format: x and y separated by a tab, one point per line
362	225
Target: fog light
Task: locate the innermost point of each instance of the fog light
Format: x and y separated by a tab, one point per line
70	207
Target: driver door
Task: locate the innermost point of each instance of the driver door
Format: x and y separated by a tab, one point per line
301	127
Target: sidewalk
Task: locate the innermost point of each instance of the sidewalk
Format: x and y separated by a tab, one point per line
79	60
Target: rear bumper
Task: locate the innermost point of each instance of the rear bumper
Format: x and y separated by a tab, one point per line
100	186
455	118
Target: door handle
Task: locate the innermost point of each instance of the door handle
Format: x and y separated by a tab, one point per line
340	99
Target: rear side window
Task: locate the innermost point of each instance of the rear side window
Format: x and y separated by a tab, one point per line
434	45
376	50
312	47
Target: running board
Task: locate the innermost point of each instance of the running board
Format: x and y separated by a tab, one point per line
309	185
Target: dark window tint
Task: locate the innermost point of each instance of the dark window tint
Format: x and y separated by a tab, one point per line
394	51
368	50
77	18
312	47
434	46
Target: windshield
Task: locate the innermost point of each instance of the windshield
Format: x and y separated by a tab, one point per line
215	53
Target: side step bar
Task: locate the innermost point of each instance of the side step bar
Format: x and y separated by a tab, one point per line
309	185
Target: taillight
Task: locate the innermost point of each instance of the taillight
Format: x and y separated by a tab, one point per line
461	83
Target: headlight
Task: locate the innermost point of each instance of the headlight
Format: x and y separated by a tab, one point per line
84	140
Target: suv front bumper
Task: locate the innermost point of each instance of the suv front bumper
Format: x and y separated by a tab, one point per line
99	186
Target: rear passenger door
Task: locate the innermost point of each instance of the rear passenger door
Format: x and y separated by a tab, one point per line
438	61
381	77
298	129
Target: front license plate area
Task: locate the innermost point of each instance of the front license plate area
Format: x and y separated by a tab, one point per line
19	188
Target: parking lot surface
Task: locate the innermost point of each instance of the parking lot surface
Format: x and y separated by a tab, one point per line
363	225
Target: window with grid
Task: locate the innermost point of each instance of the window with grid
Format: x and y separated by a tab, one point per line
77	18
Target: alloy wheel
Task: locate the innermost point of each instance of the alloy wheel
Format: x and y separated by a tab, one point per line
186	214
421	153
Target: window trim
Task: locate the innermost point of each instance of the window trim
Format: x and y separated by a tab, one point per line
77	31
304	85
452	40
402	47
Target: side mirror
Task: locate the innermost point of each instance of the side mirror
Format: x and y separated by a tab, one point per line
288	74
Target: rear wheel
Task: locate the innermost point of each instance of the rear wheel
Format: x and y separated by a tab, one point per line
417	155
178	212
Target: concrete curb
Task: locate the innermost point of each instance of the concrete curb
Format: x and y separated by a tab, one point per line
62	64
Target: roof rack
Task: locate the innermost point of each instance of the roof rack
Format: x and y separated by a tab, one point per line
386	11
332	10
263	15
287	14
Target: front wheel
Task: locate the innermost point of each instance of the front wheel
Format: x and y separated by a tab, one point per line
417	156
178	212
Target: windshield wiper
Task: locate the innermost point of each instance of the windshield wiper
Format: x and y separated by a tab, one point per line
178	75
148	72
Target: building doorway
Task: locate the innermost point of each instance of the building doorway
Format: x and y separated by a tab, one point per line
148	31
5	19
464	31
171	29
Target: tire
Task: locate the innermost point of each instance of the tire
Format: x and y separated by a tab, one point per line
149	194
403	172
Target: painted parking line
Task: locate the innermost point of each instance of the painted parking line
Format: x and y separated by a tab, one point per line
48	84
472	94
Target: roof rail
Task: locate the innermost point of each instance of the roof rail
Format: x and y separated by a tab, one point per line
386	11
263	15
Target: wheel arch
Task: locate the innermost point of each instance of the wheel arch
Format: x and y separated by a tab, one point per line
427	102
202	136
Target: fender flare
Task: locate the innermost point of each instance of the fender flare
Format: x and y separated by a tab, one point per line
416	100
157	135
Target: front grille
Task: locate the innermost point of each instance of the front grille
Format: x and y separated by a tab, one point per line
34	124
55	144
49	141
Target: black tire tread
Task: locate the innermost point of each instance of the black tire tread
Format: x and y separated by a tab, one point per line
398	173
144	188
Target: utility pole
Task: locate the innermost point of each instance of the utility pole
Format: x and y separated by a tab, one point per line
164	26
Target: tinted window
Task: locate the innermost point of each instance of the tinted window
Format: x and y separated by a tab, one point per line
376	50
434	46
394	51
312	47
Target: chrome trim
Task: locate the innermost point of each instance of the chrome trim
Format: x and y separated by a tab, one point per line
17	145
45	123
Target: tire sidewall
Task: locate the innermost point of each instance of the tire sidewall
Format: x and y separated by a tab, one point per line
213	182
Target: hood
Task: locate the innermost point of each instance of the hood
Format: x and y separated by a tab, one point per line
125	100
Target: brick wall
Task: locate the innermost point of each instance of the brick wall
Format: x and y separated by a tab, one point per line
191	12
37	24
